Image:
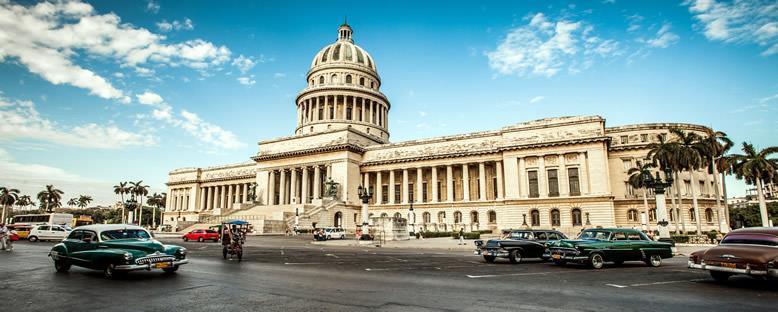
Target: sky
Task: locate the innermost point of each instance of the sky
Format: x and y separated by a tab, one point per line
96	93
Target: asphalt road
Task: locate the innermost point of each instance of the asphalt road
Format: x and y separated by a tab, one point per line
290	274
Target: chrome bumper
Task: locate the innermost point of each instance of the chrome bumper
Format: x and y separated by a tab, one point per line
565	254
150	266
486	252
747	271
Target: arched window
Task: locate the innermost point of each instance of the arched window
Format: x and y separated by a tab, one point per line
708	215
397	216
361	81
338	222
576	214
671	214
311	83
457	217
334	78
321	80
652	215
384	215
336	53
691	215
555	218
535	217
442	217
492	217
474	216
426	217
348	78
372	85
632	215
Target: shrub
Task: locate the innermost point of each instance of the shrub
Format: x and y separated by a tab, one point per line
467	235
680	239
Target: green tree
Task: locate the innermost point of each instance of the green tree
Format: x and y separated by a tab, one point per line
23	201
121	189
691	156
140	191
50	198
718	144
755	168
72	202
637	181
84	200
664	153
8	197
158	202
750	215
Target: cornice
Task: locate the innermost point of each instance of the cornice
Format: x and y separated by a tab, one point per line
332	148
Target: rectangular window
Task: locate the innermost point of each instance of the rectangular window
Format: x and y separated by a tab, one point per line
687	187
553	183
627	164
440	189
424	192
397	193
494	187
384	193
702	188
348	112
332	112
532	176
572	178
644	137
624	139
410	192
629	190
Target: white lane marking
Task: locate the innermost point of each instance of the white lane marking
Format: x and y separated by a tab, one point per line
617	286
523	274
666	282
332	255
303	262
369	269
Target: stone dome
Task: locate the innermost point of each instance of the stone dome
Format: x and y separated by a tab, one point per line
343	52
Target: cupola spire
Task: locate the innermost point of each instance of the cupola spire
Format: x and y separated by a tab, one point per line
345	31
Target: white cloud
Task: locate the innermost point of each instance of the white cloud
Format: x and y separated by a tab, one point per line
742	21
166	26
152	7
543	47
243	63
664	38
149	98
279	75
47	38
20	120
422	113
247	80
536	99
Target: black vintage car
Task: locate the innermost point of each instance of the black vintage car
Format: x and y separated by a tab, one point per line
518	245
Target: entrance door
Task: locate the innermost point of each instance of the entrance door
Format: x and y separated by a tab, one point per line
338	219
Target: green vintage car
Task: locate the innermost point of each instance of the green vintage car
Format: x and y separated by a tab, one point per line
594	247
115	249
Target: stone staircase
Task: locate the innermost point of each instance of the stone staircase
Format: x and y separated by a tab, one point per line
317	214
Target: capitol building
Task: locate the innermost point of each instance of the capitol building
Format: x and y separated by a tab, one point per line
565	173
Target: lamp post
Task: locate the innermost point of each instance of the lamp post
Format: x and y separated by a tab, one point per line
412	218
661	208
365	194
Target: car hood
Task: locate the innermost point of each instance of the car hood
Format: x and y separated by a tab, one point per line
142	245
572	243
741	253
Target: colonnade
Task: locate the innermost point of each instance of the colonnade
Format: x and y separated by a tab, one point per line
342	107
223	196
297	185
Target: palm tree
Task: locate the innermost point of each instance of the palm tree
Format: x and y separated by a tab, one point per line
50	198
725	165
718	145
157	201
120	190
23	201
139	190
636	180
84	200
756	168
72	202
664	154
8	197
691	156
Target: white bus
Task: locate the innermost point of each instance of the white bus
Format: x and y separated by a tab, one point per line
49	218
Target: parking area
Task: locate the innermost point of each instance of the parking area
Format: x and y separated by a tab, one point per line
282	273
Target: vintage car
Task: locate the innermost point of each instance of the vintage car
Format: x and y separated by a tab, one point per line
749	251
597	246
519	244
115	249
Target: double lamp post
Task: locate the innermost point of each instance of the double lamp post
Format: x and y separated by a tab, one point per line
659	187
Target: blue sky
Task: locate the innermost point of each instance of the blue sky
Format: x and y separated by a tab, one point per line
93	94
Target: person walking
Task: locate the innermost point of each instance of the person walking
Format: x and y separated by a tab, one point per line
5	238
462	236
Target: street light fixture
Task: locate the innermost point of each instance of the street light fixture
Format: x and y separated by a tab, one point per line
365	194
412	218
659	187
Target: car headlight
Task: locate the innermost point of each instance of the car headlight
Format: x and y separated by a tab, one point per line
182	252
127	256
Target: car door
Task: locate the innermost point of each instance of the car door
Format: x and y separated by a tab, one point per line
44	232
620	248
536	247
57	232
638	244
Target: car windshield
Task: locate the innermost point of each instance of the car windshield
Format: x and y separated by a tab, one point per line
521	235
763	240
595	234
124	234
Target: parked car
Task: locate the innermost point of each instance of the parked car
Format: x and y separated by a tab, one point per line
333	232
201	235
519	244
47	232
748	251
594	247
116	249
22	231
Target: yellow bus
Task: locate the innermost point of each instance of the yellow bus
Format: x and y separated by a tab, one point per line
82	220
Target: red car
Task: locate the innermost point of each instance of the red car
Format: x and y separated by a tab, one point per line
201	235
13	237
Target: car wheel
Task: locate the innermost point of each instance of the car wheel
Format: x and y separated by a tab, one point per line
489	259
654	261
186	239
33	238
515	256
719	276
61	265
171	269
200	239
596	261
110	271
329	237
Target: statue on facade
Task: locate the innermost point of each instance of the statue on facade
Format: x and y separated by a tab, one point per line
252	193
332	188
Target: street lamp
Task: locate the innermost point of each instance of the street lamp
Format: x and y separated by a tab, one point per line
365	194
412	218
661	208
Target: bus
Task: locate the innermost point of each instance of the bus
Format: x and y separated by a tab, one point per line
48	218
82	220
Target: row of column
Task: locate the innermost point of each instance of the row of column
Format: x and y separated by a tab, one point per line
223	196
178	199
342	107
297	185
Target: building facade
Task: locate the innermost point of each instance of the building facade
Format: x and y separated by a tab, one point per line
566	173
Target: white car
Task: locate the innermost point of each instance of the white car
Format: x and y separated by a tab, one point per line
332	232
48	232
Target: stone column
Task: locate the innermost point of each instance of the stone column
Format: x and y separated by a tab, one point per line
481	181
499	186
449	183
366	179
282	188
245	198
345	105
229	197
523	182
391	187
353	108
542	181
305	186
293	190
362	109
204	199
584	174
329	172
379	189
271	198
419	185
435	184
327	107
215	202
222	197
316	182
465	183
564	185
405	187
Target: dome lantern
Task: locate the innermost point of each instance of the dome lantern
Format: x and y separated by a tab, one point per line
345	32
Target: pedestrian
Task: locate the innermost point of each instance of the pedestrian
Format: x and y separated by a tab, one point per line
5	240
462	236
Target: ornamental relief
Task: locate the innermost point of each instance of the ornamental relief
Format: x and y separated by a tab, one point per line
531	161
229	173
182	177
551	160
433	150
571	158
551	136
296	145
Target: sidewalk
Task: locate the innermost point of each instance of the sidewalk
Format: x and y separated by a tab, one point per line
443	243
